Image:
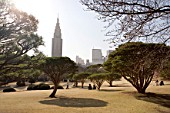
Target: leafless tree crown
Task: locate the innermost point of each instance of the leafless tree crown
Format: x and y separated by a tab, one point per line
130	20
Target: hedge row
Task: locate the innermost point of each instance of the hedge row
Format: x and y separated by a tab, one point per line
41	87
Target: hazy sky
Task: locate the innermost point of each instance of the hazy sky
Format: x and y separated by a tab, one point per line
81	30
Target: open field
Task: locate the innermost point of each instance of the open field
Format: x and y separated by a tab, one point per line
119	99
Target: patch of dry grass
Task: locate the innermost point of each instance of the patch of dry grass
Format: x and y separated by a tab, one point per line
119	99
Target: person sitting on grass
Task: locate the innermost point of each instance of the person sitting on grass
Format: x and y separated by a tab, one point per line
94	87
161	83
89	87
156	82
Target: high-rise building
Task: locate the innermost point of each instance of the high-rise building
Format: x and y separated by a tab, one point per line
97	57
107	54
79	60
57	41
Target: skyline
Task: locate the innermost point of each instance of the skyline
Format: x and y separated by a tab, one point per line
81	30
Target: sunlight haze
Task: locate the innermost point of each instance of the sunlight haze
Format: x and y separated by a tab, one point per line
81	30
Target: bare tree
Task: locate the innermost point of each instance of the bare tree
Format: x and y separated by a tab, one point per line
131	20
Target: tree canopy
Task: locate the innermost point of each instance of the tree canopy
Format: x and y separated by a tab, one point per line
81	77
130	20
94	68
56	68
112	74
165	72
17	34
98	79
137	62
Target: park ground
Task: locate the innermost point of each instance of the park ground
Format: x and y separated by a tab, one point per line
122	98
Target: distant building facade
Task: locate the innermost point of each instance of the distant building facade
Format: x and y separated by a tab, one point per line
107	54
87	63
57	41
79	60
97	57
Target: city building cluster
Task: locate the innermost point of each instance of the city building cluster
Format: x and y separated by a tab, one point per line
97	57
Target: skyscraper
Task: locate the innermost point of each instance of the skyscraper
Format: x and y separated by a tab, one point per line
97	57
57	41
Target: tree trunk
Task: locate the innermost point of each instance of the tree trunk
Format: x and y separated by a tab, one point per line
54	92
82	84
76	84
110	82
98	86
141	90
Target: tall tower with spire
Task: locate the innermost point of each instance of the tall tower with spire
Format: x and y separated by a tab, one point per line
57	41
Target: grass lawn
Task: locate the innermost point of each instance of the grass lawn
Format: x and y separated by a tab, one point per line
119	99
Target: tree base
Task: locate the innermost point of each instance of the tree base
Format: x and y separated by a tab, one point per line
51	96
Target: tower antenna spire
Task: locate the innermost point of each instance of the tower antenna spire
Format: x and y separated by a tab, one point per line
58	18
58	15
57	41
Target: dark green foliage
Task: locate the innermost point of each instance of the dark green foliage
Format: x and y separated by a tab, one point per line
81	77
20	83
113	75
3	83
137	62
9	90
32	87
60	87
41	86
17	37
94	68
57	68
165	72
98	79
31	80
110	77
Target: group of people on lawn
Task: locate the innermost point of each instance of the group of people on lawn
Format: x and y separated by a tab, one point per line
157	83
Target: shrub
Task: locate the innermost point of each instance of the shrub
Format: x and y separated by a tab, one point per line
20	83
31	80
43	87
3	83
32	87
9	90
58	87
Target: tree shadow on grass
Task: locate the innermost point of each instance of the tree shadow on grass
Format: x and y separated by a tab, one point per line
84	87
110	90
121	85
75	102
161	99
